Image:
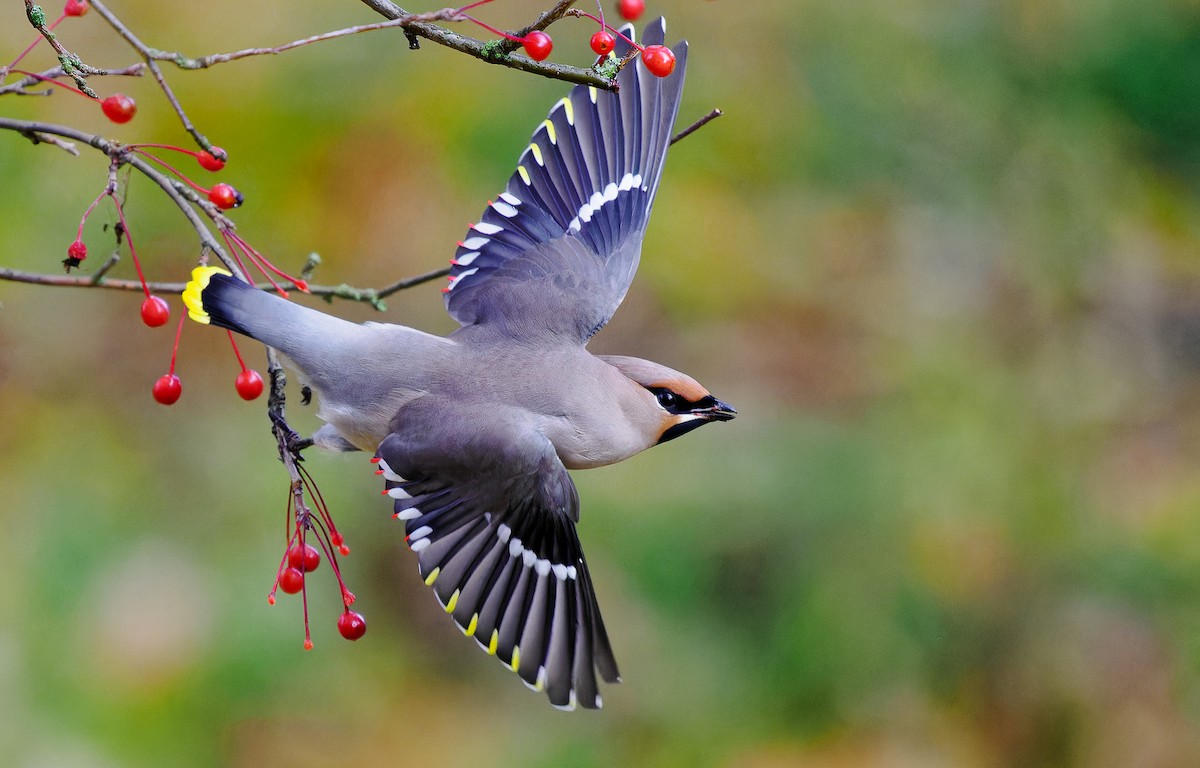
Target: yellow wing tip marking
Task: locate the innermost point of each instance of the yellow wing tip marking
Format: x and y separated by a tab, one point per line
550	131
524	174
495	641
432	577
470	630
537	153
192	298
452	602
569	110
516	659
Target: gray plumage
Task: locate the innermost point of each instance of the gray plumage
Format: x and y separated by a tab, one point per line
474	433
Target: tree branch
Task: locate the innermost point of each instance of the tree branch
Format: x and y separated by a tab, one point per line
495	52
134	70
372	296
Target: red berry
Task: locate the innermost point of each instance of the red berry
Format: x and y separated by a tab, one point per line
76	252
119	108
659	60
75	7
538	45
210	162
155	312
291	580
249	385
631	10
225	196
603	43
167	389
304	558
352	625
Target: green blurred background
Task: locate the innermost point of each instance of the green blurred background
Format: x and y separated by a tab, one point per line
941	256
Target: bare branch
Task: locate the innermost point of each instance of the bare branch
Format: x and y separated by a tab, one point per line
372	296
494	52
713	115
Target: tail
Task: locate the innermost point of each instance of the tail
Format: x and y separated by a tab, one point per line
215	297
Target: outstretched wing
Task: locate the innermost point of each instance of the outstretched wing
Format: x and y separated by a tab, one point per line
554	254
493	524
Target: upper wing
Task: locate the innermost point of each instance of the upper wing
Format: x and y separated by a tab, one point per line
555	253
492	520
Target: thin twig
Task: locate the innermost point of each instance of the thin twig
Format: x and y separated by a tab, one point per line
20	86
72	65
713	115
45	138
148	57
409	282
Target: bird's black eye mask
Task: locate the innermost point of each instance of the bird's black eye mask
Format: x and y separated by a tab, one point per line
673	402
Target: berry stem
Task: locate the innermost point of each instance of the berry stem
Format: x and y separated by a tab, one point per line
129	239
308	643
233	251
83	219
168	166
264	264
237	353
175	348
236	244
323	508
172	147
492	29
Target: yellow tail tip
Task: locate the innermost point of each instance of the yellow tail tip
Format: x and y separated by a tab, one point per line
191	292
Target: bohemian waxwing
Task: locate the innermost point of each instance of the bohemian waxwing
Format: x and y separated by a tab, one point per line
475	432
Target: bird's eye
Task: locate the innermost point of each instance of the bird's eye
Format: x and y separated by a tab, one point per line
666	398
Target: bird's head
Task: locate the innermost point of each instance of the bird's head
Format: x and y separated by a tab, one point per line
676	401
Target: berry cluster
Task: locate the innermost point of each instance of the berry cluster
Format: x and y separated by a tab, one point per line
301	558
155	311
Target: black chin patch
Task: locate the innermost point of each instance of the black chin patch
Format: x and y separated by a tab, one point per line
681	428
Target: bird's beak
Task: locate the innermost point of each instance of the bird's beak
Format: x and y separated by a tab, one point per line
712	410
718	411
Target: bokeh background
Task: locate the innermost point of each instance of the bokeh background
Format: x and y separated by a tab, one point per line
941	255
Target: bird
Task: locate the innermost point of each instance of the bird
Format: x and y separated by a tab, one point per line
475	432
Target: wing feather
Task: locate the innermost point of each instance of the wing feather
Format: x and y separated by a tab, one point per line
493	525
584	185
